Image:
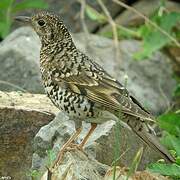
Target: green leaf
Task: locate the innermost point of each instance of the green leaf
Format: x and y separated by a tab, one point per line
177	90
178	160
172	142
26	4
170	122
3	15
95	15
4	4
123	32
34	174
172	170
178	111
51	157
135	163
4	28
153	39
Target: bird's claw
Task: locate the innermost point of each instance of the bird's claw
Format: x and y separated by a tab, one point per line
71	147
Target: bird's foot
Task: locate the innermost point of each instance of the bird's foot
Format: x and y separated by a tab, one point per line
65	147
59	157
79	147
74	147
71	147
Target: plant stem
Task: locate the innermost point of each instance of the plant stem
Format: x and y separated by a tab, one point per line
147	20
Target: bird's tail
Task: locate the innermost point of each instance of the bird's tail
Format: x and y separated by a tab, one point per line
147	135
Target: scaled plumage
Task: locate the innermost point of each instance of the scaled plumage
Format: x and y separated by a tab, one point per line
80	87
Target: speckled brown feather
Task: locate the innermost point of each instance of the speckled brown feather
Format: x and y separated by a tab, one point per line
82	88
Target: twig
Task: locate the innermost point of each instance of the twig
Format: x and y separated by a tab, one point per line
114	28
85	29
116	160
12	85
49	173
147	20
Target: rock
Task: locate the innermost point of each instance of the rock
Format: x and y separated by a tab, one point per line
77	165
174	52
55	134
21	116
59	131
122	173
101	144
20	61
27	101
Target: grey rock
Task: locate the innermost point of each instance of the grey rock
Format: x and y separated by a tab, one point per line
101	144
21	116
20	61
77	165
57	132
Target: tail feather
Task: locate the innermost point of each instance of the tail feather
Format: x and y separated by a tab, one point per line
146	134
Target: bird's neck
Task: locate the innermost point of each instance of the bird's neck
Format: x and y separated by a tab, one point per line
53	47
50	50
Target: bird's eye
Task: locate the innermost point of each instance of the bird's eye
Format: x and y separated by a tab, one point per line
41	22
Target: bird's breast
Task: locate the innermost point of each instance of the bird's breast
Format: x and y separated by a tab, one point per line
73	104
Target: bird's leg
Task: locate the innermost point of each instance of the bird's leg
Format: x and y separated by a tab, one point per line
93	127
66	145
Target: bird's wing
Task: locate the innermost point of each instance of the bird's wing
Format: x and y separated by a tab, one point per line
99	87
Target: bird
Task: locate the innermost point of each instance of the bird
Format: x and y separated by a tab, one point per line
81	88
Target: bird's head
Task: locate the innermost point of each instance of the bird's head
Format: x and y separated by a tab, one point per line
48	26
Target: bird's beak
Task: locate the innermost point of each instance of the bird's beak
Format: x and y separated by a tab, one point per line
23	19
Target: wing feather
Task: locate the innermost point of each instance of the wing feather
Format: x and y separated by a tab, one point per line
101	88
